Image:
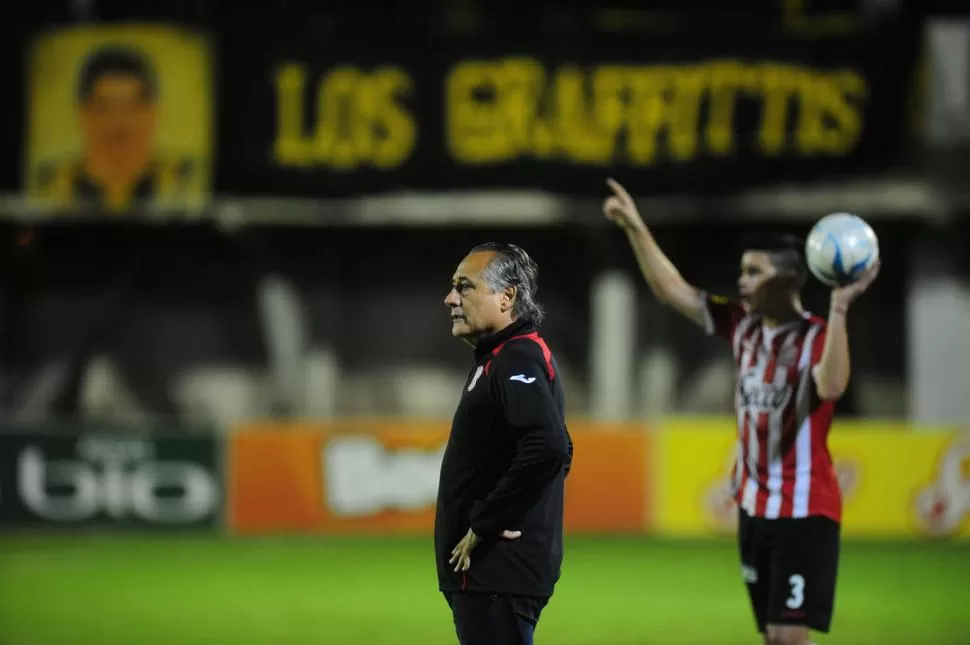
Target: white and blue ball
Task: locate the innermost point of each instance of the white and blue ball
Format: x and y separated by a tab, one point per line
840	248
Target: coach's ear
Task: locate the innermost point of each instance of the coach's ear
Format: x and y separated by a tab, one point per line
508	297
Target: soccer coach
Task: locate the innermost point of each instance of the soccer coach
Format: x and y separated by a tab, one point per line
498	522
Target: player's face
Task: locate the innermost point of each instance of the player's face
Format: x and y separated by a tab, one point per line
758	284
475	309
118	119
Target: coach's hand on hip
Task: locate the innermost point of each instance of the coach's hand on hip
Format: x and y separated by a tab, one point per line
461	555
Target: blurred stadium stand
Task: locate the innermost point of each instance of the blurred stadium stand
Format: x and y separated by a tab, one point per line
269	305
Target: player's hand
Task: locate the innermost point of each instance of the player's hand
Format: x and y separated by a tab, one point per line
620	208
842	297
461	555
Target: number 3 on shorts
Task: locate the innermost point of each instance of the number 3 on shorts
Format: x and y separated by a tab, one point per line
797	596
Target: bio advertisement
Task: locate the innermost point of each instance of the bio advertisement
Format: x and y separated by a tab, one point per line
380	477
107	479
897	481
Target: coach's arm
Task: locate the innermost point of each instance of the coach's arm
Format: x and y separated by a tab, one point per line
542	447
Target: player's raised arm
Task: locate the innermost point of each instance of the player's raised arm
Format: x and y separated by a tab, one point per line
665	281
833	368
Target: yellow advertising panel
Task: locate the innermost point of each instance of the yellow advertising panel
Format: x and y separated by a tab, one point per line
693	463
897	481
904	484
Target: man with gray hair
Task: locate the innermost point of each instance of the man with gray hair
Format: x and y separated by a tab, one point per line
499	515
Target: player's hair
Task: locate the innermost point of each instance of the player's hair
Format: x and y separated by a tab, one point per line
786	252
116	59
512	266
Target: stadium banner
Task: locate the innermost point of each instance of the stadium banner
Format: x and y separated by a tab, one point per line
89	478
342	114
382	477
896	482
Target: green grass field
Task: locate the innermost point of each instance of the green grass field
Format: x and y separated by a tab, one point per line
96	590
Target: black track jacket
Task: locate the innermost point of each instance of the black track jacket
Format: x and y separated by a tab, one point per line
504	468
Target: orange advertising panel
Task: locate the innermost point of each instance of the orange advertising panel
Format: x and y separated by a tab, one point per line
608	489
378	477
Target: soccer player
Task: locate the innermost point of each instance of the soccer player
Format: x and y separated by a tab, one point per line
792	367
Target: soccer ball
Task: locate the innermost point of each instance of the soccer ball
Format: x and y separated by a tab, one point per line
840	248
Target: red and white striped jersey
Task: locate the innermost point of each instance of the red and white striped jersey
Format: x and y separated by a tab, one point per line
783	467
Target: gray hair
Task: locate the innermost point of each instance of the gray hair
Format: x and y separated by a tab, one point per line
512	267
